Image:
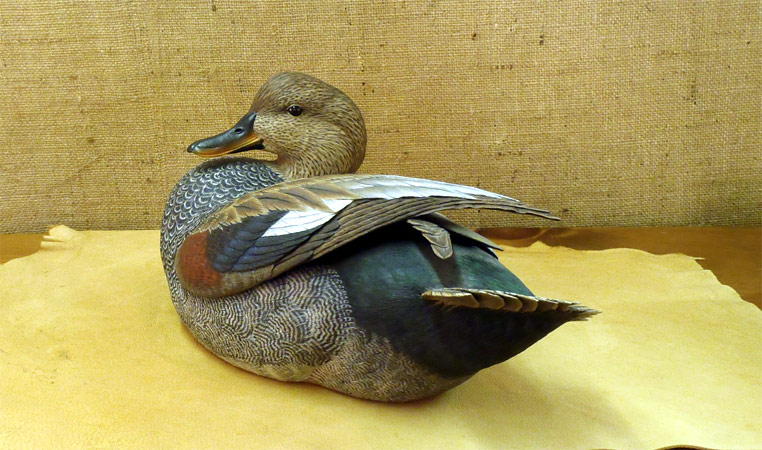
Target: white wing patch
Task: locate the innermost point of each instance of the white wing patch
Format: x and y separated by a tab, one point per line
336	204
296	221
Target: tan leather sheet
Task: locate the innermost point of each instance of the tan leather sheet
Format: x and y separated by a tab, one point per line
92	355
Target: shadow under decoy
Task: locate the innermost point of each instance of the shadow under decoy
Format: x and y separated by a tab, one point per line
506	406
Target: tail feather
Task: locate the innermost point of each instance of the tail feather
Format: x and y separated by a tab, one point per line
506	301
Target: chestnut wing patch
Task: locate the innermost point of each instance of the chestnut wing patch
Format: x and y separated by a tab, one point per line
216	260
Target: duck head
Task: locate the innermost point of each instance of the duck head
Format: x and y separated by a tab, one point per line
312	127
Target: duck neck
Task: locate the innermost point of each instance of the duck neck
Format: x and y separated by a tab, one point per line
320	160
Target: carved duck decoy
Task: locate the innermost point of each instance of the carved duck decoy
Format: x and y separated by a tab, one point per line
300	270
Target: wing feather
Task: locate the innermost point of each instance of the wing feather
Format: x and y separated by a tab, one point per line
267	232
437	236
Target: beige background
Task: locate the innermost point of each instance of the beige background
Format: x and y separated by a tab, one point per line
608	113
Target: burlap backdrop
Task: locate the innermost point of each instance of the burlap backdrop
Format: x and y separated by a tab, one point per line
608	113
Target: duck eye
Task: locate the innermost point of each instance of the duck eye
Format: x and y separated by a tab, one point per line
295	110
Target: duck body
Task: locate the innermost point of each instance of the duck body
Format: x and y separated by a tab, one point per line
375	313
355	321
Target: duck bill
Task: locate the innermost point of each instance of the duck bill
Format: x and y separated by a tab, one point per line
237	139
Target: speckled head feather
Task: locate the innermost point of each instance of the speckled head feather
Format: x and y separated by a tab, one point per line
325	136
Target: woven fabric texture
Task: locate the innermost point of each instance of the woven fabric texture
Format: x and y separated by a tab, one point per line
605	112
